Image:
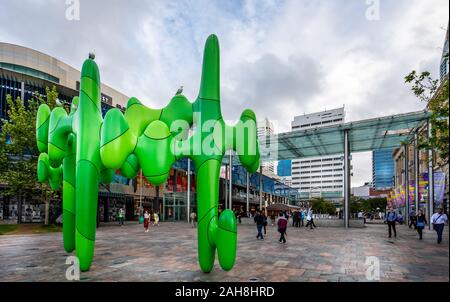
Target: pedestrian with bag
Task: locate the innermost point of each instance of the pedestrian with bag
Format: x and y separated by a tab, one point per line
310	219
146	221
420	222
391	219
439	220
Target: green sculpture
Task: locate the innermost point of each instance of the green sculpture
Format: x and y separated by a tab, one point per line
151	139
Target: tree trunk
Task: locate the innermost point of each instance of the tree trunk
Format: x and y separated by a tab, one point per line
47	210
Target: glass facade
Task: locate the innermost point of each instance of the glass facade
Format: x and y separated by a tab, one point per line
284	168
12	86
382	169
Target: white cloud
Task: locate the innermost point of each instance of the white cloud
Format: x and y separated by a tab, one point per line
280	58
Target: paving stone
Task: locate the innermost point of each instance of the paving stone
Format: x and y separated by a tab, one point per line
169	253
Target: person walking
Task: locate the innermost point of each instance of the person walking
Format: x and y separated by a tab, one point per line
259	220
294	218
421	221
310	219
193	219
121	216
302	218
156	218
282	227
146	221
391	219
439	219
412	219
400	218
264	223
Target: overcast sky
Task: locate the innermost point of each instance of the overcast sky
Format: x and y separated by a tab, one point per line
280	58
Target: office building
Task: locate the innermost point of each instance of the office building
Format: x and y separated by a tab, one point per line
382	169
319	176
265	129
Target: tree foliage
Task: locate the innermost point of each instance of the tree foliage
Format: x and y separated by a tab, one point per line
370	205
322	206
18	149
436	97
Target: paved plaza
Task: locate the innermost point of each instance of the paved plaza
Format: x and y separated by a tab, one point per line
169	253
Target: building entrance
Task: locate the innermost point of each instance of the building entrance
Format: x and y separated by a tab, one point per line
175	206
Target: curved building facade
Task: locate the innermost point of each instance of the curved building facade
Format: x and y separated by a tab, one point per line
24	71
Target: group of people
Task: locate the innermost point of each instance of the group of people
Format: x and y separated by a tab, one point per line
417	220
281	222
147	220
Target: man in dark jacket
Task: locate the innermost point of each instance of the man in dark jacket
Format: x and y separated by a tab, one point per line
259	220
282	226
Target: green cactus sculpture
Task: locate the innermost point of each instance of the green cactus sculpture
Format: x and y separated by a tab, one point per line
153	139
72	143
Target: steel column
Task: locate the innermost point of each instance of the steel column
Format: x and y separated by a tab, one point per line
430	180
406	184
188	190
416	174
346	178
226	187
248	192
260	188
230	202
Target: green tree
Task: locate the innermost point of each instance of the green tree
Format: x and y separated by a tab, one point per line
436	97
322	206
19	153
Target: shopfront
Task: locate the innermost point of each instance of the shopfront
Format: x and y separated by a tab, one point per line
175	206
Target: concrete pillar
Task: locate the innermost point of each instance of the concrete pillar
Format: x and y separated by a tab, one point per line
22	91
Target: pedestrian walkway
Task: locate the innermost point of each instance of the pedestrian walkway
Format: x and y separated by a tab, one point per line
169	253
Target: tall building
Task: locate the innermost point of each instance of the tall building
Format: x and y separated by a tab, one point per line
444	59
319	176
284	168
284	171
265	128
382	169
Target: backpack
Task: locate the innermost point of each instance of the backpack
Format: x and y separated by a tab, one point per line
282	223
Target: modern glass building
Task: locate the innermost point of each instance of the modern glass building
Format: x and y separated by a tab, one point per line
382	169
444	59
26	73
284	168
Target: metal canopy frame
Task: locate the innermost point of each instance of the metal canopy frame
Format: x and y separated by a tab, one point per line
364	135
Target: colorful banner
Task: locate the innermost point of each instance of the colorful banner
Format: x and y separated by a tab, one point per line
397	196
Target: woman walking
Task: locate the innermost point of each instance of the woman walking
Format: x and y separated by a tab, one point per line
156	218
146	221
420	223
